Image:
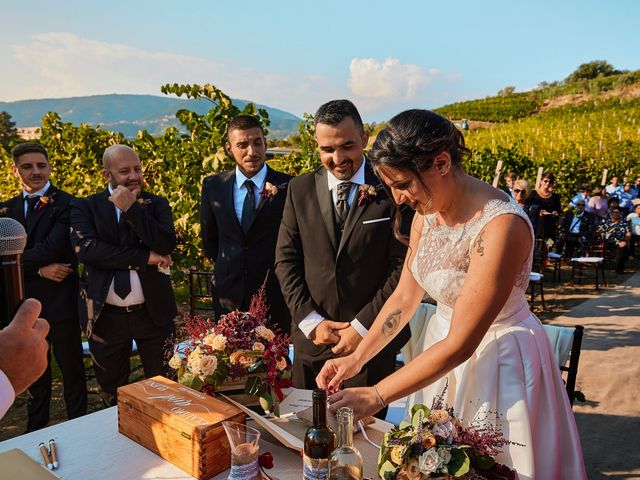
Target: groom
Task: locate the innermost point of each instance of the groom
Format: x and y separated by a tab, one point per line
337	259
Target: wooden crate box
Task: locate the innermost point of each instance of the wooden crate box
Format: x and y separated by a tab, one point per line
180	424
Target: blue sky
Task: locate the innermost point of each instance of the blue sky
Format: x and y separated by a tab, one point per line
385	56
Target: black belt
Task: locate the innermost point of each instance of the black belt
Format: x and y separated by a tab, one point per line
128	309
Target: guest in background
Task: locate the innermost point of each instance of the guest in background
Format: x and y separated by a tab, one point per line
583	194
51	276
614	187
598	206
617	235
625	197
548	205
509	179
125	236
634	222
636	188
521	192
612	203
240	219
575	230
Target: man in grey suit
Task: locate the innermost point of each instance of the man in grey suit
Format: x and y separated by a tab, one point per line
337	259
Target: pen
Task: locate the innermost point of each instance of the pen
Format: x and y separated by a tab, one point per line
54	454
45	456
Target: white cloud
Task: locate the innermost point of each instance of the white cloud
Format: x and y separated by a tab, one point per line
60	64
389	80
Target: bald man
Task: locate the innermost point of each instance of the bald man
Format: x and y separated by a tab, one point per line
124	236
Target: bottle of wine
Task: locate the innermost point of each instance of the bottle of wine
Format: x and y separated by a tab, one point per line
319	440
346	461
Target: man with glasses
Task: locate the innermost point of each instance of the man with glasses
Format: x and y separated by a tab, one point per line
575	230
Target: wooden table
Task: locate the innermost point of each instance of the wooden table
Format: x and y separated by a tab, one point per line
90	447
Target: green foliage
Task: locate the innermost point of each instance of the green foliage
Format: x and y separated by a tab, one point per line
590	70
307	158
506	91
494	109
8	132
575	142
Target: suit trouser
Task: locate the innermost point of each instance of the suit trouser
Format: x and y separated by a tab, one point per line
110	346
64	339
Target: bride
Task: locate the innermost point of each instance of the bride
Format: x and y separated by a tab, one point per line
470	249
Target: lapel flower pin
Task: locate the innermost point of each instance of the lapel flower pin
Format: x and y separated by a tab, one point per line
145	202
366	194
269	191
43	201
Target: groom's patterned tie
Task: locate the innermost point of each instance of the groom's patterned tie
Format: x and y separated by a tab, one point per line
342	204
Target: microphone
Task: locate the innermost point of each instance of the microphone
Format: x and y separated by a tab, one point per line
13	239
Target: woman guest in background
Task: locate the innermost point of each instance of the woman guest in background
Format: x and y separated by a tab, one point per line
521	192
471	250
617	235
547	203
597	205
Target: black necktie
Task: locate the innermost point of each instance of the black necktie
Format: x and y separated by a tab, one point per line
248	207
342	204
122	278
32	201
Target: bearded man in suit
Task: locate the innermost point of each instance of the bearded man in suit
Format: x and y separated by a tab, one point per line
124	236
50	272
337	258
240	216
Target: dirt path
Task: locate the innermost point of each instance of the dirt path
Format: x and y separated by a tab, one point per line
609	376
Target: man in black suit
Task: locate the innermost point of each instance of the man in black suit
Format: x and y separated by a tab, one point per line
240	216
50	271
124	237
337	259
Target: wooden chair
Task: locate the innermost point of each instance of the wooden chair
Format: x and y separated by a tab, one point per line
566	342
536	277
596	253
200	291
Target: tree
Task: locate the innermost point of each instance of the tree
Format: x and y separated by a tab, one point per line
591	70
8	131
506	91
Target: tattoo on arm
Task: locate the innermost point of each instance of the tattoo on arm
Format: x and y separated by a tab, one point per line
478	243
391	323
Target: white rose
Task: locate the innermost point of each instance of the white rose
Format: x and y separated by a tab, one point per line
265	333
176	361
208	365
215	341
258	346
445	455
429	461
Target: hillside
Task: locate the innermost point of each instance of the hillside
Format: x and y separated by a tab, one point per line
129	113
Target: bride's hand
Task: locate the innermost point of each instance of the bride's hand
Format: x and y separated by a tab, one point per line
362	400
337	370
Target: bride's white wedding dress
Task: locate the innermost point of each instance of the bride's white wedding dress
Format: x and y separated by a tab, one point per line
513	371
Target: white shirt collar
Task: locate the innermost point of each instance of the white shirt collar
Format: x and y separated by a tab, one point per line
258	179
358	177
40	192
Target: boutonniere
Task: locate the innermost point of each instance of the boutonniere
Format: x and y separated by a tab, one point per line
144	202
45	200
4	211
269	191
366	193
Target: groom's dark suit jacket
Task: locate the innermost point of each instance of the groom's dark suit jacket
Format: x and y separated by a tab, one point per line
48	242
94	232
243	260
340	278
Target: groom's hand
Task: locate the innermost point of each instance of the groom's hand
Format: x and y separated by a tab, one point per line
326	333
349	340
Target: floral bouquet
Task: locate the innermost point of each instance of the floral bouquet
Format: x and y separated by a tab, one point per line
238	347
436	445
